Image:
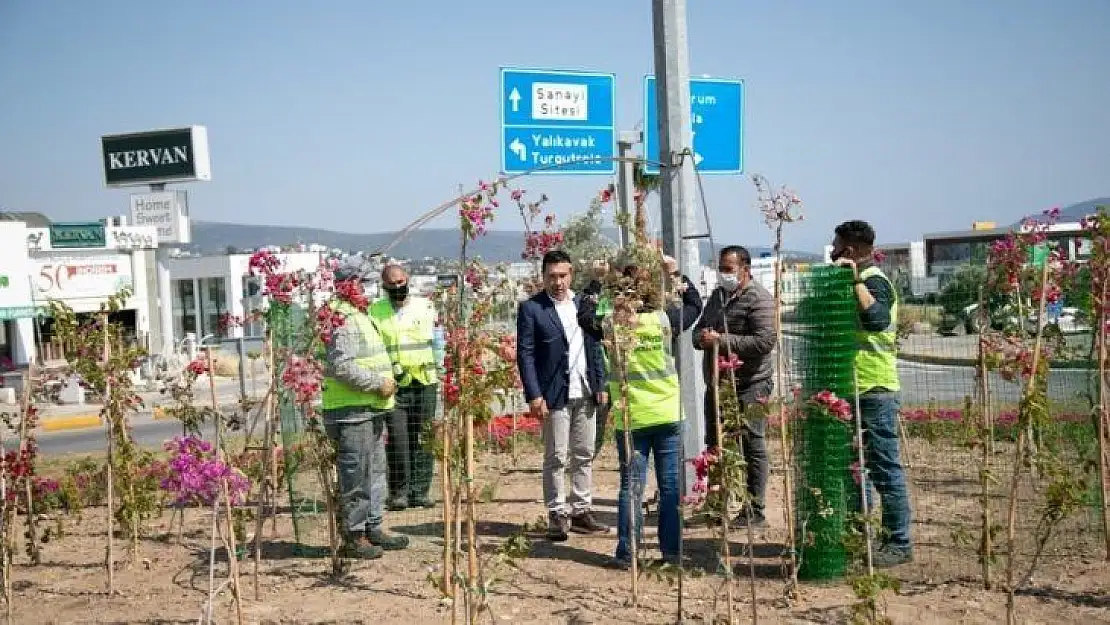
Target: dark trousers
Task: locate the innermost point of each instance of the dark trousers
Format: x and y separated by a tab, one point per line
410	464
360	463
752	436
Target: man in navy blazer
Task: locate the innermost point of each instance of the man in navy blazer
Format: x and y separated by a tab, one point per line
563	374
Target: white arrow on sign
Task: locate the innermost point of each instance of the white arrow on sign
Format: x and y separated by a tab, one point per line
519	149
514	97
697	159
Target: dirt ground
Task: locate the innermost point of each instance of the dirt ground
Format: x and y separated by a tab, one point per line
564	583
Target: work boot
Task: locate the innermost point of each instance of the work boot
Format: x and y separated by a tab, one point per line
558	526
359	547
585	523
747	513
386	540
397	503
889	556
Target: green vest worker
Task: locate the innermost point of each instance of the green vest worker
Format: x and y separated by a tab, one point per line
408	327
357	400
877	384
654	428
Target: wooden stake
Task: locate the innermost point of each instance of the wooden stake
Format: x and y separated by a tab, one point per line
267	490
784	426
229	541
726	554
28	490
986	544
1019	450
471	528
109	424
7	518
1103	420
448	584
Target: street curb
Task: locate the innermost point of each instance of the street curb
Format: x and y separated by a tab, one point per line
74	422
951	361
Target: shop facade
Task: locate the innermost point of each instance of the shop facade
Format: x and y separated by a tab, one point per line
207	291
84	264
17	308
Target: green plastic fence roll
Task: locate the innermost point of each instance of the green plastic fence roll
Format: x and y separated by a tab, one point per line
827	317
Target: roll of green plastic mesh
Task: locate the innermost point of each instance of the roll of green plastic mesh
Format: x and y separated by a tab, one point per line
825	357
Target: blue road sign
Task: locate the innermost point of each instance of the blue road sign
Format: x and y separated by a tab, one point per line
717	114
557	117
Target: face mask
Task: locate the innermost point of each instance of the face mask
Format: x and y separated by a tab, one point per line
728	281
398	293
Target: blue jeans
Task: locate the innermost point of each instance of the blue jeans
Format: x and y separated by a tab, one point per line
883	461
665	442
361	465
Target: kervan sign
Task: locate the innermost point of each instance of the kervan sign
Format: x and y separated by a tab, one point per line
63	236
167	211
156	157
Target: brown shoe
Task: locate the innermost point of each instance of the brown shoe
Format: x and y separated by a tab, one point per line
360	548
585	523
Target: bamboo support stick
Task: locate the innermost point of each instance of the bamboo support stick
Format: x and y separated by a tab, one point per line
110	557
1103	421
229	540
726	493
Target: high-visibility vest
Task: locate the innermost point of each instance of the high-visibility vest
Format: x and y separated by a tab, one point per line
409	338
877	358
604	309
653	391
371	355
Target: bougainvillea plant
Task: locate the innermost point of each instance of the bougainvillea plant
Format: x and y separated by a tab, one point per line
195	475
1029	272
1097	230
479	371
299	372
100	354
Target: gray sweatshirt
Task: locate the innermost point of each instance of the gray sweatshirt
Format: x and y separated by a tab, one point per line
348	344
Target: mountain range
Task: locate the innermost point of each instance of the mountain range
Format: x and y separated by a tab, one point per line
210	237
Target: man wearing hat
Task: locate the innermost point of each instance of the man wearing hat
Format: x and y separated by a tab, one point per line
358	399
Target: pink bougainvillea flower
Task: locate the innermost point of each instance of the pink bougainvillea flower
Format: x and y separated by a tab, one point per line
731	363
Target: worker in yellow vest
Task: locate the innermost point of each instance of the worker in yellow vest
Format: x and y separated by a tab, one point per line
654	416
357	402
408	324
877	385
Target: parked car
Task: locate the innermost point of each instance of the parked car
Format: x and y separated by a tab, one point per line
1067	320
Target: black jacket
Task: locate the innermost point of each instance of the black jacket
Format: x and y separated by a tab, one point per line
749	332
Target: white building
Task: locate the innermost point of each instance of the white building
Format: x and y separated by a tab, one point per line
17	308
206	288
80	265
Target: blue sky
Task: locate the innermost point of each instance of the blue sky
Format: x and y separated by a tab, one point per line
916	115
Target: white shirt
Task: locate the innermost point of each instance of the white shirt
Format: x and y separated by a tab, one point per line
576	356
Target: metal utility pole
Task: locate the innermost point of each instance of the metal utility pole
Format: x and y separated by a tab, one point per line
676	153
626	182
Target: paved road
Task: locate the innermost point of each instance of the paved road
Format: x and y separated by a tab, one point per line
923	383
148	432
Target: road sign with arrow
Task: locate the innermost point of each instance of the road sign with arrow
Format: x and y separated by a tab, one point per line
561	118
716	112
